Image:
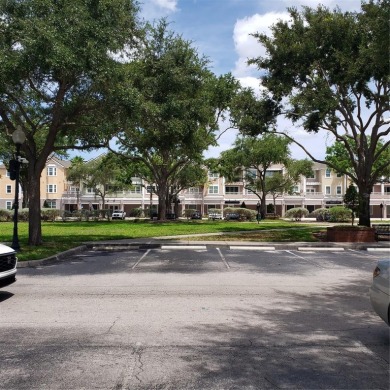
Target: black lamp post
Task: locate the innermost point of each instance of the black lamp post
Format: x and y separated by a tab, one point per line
258	206
18	137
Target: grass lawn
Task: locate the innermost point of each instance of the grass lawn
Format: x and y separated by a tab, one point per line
60	236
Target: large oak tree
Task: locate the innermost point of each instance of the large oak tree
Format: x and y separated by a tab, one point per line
56	68
329	70
178	103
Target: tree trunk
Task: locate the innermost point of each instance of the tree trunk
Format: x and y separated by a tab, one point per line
263	207
34	218
364	208
162	200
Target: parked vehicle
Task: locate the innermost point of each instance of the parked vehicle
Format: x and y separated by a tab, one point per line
196	215
118	215
232	216
8	263
380	290
215	216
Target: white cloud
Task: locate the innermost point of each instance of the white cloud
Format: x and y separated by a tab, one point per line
246	45
169	5
155	9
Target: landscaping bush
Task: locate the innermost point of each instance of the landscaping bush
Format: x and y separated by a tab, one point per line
137	212
245	214
50	214
321	214
340	214
297	213
105	213
270	208
188	213
66	214
23	215
5	215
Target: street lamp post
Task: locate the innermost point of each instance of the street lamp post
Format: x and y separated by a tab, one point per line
18	137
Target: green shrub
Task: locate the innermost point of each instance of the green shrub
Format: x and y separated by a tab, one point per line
245	214
188	213
66	214
23	215
137	212
270	208
50	214
5	215
340	214
297	213
322	214
105	213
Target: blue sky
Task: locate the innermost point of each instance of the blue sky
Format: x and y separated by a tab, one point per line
220	29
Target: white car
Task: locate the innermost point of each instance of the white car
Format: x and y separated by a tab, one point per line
118	215
215	216
380	290
8	263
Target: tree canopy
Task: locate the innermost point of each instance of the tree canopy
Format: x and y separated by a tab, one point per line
329	70
57	68
178	104
254	157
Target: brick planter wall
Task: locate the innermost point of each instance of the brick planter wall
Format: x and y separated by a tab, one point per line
344	234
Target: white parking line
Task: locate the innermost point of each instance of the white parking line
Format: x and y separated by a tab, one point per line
305	259
330	249
223	259
141	259
253	248
200	247
379	250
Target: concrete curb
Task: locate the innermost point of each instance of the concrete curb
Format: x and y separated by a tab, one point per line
52	259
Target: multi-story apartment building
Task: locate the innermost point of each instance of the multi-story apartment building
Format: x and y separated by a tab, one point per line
324	189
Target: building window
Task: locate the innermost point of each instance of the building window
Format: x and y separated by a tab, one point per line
51	171
213	175
193	190
51	188
327	190
213	207
150	189
213	190
8	189
7	174
311	176
251	173
338	190
51	204
296	189
90	190
339	174
327	172
135	190
8	205
310	190
231	190
271	173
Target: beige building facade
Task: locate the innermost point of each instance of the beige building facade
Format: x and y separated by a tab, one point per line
324	188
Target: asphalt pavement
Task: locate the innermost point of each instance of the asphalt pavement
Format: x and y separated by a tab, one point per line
158	314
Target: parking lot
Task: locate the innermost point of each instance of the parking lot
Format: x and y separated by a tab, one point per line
197	317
